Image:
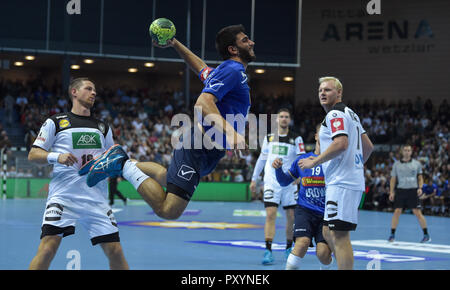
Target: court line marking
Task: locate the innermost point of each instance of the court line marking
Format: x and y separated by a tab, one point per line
399	245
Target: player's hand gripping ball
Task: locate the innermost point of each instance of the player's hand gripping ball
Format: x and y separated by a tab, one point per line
161	30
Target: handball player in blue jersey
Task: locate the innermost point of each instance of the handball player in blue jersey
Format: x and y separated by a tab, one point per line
310	208
225	93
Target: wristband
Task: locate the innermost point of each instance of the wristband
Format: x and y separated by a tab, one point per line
52	158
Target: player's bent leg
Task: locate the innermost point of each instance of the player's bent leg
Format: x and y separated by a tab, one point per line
323	253
271	215
168	206
327	236
155	171
46	252
115	256
301	246
290	218
298	252
343	249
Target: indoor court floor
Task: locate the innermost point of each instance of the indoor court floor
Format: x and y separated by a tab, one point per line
215	236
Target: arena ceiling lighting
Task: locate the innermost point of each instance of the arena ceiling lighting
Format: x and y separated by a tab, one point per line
29	57
18	63
75	66
88	61
149	64
288	79
132	70
260	71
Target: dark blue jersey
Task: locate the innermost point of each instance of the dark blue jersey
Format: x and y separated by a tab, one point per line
228	83
311	193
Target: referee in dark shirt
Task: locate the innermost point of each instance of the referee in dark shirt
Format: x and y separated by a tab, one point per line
405	189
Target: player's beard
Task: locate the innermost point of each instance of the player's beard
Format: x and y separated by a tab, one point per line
86	104
245	55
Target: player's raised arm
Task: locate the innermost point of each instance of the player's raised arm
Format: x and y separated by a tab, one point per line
195	63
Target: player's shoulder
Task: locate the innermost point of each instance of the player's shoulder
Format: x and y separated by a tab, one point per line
232	67
69	120
270	137
306	155
338	108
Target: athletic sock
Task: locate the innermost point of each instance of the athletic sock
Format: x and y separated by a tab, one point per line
425	231
393	231
133	174
269	245
293	262
289	244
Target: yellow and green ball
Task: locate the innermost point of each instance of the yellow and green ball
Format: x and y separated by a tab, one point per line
161	30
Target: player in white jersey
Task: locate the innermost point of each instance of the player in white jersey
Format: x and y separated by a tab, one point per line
286	146
68	141
344	148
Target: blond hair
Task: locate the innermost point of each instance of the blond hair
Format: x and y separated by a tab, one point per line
337	82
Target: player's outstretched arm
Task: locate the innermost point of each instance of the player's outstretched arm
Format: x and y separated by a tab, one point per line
195	63
339	145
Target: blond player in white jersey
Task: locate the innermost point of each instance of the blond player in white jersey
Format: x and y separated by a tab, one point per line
344	148
68	141
286	146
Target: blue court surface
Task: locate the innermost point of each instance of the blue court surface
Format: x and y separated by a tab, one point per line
215	236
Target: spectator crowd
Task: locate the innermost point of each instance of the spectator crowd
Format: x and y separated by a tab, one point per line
141	122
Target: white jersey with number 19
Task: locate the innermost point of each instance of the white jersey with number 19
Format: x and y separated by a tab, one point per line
346	170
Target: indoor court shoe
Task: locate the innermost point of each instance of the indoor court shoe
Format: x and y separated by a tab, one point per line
87	166
391	239
426	239
109	164
268	258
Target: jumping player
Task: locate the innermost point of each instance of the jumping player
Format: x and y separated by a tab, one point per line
225	92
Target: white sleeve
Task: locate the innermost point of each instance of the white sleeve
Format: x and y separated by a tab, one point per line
46	136
338	123
299	146
109	141
261	162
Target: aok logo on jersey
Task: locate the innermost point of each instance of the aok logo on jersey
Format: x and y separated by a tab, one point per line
86	140
279	150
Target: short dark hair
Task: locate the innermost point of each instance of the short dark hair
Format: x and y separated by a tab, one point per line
76	83
226	37
284	110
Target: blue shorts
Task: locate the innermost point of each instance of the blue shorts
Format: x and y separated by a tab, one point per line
309	224
188	166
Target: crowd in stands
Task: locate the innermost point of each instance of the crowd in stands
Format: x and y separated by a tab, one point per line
141	122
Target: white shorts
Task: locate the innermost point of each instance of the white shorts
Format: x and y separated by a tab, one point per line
285	196
341	208
61	216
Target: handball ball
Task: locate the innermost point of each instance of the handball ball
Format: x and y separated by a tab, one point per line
161	30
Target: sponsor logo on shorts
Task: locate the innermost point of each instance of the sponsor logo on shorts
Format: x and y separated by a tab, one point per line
186	172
